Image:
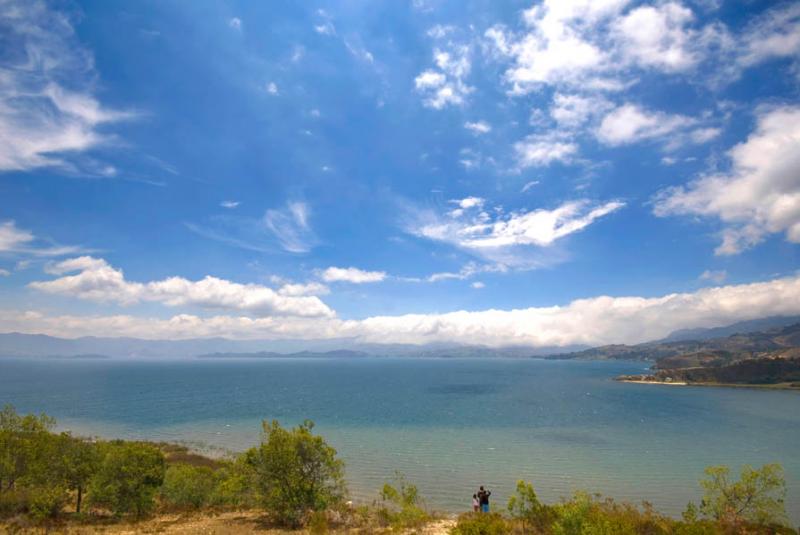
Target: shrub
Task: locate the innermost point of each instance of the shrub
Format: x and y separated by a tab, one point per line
585	514
128	478
758	496
481	524
188	487
296	472
525	507
401	507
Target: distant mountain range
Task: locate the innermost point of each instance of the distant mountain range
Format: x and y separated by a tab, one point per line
768	337
42	346
720	344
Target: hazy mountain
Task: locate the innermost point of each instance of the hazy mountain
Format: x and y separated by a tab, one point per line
717	351
749	326
38	345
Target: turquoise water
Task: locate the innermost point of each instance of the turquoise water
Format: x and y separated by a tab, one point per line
448	425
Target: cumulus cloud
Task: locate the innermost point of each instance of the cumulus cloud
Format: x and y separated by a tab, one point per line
446	84
575	110
229	204
631	124
235	23
291	227
760	195
48	112
717	277
97	280
272	88
592	321
4	272
352	275
478	127
539	150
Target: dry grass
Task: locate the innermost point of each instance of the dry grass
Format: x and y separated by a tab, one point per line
229	523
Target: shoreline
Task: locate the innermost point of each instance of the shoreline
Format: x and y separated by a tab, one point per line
775	386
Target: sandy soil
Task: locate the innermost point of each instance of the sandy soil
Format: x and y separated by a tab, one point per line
221	524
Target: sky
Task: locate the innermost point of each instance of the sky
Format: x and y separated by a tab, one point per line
544	173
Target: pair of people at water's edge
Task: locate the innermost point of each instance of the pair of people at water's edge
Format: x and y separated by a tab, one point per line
480	501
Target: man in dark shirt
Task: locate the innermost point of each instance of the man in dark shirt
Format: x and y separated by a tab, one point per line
483	497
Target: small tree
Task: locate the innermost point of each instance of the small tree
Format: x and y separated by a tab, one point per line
79	462
188	486
402	505
525	507
757	497
128	478
296	471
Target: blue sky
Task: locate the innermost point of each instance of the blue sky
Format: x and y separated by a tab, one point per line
541	173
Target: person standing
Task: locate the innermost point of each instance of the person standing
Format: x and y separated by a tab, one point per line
475	503
483	498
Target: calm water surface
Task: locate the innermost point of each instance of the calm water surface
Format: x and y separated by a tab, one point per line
448	425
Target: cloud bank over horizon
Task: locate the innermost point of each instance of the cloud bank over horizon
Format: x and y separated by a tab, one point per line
588	321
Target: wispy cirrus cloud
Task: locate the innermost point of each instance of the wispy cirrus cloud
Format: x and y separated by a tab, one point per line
48	111
16	241
515	239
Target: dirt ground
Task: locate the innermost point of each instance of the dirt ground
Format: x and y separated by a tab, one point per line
233	523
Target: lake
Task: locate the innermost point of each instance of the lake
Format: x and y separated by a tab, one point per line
449	425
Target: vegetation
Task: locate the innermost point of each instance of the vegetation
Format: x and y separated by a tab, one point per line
295	478
297	472
401	505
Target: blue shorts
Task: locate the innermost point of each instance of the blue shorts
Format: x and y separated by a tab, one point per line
485	507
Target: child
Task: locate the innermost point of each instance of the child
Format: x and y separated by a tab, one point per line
475	503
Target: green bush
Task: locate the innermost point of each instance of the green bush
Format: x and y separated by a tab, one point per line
757	497
188	487
128	478
481	524
524	506
401	506
585	514
296	473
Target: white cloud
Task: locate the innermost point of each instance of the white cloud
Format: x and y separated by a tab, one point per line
4	272
704	135
559	45
440	31
291	227
272	88
352	275
326	28
657	36
42	122
469	270
760	195
14	240
478	127
445	85
717	277
631	124
529	185
478	285
573	111
96	280
235	23
510	239
229	204
592	321
298	289
775	34
542	150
